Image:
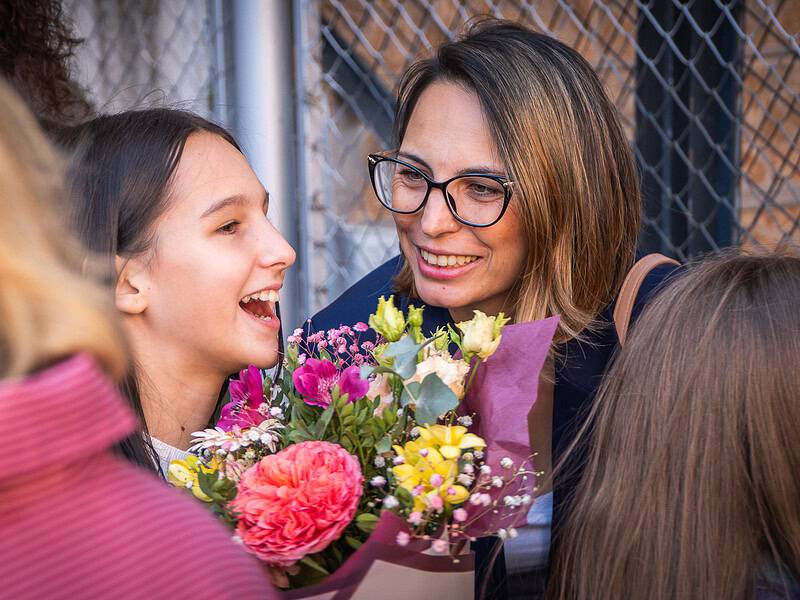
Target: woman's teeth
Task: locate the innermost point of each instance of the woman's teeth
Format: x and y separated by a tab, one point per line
446	260
264	296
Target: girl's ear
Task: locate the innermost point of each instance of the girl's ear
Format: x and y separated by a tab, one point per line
130	295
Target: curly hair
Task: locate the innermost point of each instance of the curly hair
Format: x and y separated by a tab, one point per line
36	48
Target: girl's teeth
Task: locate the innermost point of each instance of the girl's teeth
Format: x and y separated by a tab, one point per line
450	260
263	296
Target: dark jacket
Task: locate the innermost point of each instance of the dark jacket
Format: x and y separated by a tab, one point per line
578	373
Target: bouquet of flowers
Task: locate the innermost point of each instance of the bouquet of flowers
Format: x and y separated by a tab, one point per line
392	450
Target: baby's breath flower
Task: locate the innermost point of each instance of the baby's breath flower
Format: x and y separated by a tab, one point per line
506	463
497	481
468	469
512	533
379	462
398	460
377	481
390	502
502	534
466	421
415	518
486	470
468	456
403	538
415	432
465	479
478	454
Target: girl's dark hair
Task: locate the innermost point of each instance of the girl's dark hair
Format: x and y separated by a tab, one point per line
36	49
119	180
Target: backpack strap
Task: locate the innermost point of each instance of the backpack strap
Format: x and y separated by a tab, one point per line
630	290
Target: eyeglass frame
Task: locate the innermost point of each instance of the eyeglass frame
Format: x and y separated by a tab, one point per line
375	159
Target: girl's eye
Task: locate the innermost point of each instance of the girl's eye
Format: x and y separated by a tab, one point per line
229	228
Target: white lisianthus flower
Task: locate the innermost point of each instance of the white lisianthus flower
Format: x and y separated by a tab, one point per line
452	372
481	335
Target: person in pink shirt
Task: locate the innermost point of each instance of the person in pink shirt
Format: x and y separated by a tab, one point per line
76	520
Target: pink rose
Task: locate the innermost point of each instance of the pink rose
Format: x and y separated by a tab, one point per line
298	501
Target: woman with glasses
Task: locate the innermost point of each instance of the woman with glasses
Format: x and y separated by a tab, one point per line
513	189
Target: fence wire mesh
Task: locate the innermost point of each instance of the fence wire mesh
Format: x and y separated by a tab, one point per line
708	92
143	53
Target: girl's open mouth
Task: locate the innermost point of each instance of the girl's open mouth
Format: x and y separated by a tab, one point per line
261	305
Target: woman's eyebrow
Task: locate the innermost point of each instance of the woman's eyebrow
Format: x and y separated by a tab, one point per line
477	169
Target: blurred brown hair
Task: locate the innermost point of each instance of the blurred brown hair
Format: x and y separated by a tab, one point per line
36	49
49	307
576	186
691	487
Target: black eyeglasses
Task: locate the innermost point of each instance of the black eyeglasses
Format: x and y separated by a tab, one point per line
477	200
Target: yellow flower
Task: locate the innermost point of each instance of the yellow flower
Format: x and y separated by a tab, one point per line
481	334
430	465
184	473
450	439
388	321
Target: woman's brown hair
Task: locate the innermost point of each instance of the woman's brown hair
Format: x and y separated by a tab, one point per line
576	188
49	306
691	487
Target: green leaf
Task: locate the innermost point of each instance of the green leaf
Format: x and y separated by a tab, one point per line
383	445
353	542
367	522
311	563
410	393
321	426
404	353
434	399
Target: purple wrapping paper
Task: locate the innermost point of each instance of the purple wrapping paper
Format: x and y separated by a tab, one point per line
499	399
382	547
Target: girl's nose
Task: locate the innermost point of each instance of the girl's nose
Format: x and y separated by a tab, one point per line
436	217
274	250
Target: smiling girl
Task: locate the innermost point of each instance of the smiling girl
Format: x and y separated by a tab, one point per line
198	265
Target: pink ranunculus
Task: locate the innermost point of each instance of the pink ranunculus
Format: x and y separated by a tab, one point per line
316	378
247	394
296	502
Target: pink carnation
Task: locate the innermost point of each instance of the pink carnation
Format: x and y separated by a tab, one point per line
296	502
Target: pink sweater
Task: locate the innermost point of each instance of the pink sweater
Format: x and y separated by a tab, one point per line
78	522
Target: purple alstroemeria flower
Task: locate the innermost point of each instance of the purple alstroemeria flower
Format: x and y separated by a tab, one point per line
247	394
316	378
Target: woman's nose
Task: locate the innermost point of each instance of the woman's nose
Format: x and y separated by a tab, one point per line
274	250
436	217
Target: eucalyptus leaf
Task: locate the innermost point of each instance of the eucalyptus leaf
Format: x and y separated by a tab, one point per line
434	399
410	393
383	445
365	372
404	353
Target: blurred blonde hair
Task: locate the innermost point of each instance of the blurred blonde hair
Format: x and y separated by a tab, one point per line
49	308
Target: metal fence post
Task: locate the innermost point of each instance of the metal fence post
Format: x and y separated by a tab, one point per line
264	117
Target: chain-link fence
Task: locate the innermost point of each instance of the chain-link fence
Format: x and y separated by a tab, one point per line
708	92
142	53
707	89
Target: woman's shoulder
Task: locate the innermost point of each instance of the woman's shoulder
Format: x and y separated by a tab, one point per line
359	300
